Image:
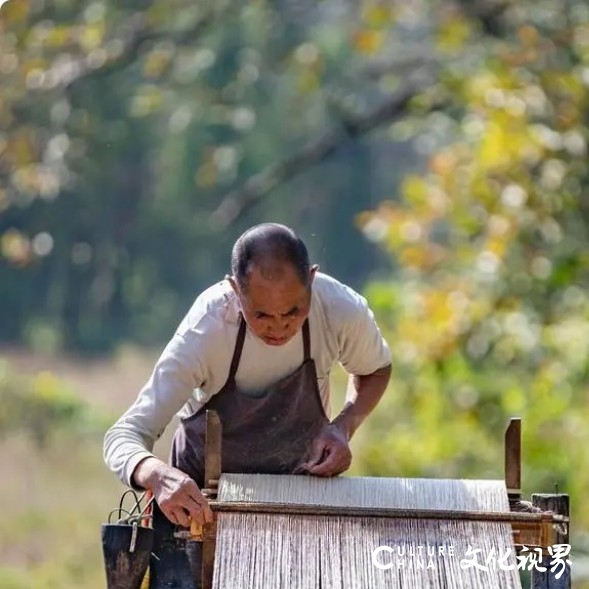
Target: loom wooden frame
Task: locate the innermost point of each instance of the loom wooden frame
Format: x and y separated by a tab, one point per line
532	530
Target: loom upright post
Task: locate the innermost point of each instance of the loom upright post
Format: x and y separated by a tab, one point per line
513	456
213	441
559	504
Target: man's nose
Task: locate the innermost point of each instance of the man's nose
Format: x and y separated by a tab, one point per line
281	324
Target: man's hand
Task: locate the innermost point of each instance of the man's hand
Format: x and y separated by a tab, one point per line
177	495
330	453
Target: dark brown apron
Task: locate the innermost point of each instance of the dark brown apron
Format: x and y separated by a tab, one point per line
269	433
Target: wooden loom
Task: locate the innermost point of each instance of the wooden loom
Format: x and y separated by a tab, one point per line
539	524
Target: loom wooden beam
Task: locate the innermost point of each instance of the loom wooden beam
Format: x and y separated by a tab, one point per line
532	530
213	447
558	504
385	512
513	453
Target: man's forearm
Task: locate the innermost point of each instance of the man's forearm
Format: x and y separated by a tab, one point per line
148	472
363	394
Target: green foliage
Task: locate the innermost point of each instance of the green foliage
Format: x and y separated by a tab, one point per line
122	127
42	405
487	313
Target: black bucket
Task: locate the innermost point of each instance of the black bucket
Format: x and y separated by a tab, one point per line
126	549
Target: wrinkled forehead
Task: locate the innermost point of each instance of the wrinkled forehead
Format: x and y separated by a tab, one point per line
275	296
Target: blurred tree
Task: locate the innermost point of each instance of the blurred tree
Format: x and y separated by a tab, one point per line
124	126
488	311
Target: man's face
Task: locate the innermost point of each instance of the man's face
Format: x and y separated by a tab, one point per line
275	308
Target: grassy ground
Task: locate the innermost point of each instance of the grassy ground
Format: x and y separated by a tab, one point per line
54	499
53	504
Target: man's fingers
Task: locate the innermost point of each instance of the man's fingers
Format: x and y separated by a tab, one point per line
327	466
336	462
317	455
199	502
189	511
178	516
200	511
181	500
195	511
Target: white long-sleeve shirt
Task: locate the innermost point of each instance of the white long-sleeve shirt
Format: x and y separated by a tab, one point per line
194	365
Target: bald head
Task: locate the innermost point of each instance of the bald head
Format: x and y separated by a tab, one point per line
271	249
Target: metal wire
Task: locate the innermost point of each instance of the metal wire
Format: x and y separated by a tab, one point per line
136	514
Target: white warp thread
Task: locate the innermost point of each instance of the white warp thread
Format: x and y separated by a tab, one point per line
262	551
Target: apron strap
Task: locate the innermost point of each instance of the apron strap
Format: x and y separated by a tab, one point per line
238	349
306	339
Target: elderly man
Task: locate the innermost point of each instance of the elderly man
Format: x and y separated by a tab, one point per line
257	348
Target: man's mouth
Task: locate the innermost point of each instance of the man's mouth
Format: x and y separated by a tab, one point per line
276	341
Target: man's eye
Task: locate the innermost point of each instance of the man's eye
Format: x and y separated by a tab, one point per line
261	315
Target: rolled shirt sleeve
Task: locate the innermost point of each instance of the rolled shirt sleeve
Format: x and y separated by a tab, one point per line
176	375
363	349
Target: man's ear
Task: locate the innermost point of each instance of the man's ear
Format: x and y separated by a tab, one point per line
233	283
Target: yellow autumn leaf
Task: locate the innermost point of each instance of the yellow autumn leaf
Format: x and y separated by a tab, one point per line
414	189
437	308
421	256
497	246
478	85
443	162
368	41
452	34
15	247
378	15
414	257
494	148
91	36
